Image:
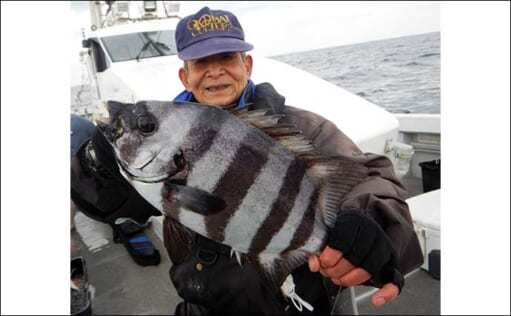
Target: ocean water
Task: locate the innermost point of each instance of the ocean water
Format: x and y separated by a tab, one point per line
400	74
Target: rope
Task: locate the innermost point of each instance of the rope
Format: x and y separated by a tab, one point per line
288	288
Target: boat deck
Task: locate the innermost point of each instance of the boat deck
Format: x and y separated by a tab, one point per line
123	288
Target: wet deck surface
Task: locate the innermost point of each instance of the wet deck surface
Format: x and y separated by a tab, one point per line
124	288
420	296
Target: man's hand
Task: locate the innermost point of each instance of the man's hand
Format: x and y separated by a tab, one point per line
331	264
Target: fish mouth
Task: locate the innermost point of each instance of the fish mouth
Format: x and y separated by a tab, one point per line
148	179
140	165
177	177
147	161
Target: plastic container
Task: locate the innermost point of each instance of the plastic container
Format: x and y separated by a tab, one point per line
401	155
425	211
430	175
434	263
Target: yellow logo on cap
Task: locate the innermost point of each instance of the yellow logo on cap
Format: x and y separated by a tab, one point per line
208	23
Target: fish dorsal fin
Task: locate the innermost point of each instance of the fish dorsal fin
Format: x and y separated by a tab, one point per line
297	144
281	130
335	175
287	134
263	121
239	112
244	112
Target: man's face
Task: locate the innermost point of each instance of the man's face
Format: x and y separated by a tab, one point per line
217	80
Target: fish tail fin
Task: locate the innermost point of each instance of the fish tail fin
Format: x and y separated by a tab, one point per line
337	176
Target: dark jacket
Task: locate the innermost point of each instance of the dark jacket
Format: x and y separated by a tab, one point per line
378	200
97	187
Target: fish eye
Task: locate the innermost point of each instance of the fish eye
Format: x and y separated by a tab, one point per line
146	124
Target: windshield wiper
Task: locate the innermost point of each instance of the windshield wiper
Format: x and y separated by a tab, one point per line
146	45
156	45
163	45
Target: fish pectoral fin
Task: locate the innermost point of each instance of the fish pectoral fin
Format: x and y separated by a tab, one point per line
196	200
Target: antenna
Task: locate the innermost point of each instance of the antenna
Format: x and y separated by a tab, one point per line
95	15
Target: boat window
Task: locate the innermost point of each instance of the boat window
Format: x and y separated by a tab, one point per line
140	45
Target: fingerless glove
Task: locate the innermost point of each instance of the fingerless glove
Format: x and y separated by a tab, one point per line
364	244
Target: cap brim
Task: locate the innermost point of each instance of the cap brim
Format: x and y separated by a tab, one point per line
212	46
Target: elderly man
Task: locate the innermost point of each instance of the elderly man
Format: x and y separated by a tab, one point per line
372	243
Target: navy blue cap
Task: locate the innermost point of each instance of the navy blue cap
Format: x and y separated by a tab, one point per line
81	131
209	32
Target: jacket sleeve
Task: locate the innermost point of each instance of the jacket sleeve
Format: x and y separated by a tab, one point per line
381	196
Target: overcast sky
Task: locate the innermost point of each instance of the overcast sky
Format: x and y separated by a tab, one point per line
283	27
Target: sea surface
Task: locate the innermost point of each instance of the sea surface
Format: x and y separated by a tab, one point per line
400	74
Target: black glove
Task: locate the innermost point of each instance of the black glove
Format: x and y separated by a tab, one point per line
364	244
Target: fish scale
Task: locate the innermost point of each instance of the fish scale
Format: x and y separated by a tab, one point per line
258	201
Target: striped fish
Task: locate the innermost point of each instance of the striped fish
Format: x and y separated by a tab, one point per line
243	179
